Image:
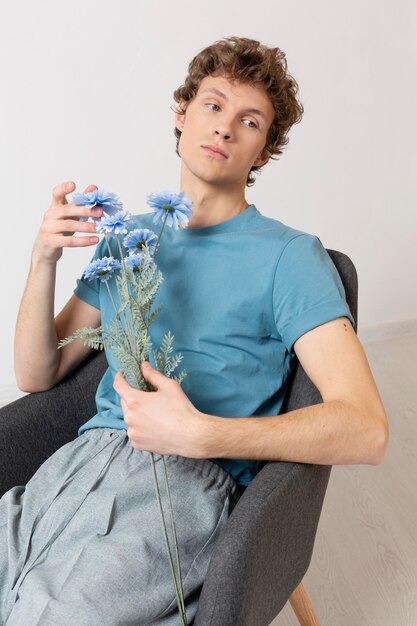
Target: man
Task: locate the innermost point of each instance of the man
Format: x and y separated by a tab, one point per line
247	295
350	426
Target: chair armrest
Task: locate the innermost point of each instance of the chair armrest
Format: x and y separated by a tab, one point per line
35	426
265	548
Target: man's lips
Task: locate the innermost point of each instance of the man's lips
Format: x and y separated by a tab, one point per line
215	152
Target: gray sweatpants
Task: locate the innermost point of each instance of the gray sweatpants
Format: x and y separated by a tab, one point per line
82	544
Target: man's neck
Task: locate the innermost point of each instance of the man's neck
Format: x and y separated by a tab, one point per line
213	205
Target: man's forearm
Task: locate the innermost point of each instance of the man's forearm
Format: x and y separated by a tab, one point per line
329	433
36	357
38	363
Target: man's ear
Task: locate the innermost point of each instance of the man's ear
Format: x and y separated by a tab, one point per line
262	158
180	117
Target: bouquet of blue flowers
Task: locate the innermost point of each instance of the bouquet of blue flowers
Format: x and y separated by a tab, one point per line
137	280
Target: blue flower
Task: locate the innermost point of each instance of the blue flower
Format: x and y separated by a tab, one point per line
114	224
134	261
102	268
177	206
98	197
137	238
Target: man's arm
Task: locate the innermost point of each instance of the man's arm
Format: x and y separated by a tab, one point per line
349	426
39	365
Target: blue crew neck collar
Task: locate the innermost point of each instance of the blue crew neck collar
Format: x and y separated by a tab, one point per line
234	223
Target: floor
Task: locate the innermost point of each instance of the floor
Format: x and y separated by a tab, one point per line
364	566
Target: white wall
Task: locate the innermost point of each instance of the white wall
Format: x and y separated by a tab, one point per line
86	93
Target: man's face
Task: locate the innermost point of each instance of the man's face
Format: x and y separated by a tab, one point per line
236	122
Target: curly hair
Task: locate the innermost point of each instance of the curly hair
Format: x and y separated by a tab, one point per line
248	61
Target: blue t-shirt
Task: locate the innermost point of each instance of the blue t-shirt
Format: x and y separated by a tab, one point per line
236	296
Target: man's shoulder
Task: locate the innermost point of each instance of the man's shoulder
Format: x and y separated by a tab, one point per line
280	230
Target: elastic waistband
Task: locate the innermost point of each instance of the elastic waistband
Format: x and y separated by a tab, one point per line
206	467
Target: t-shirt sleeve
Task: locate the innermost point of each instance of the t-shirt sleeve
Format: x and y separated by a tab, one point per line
307	290
89	290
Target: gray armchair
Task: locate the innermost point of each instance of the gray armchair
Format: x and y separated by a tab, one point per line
266	546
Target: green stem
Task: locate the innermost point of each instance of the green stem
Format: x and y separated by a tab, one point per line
180	600
128	339
108	246
174	533
130	336
118	316
160	234
178	589
112	300
129	325
182	606
143	318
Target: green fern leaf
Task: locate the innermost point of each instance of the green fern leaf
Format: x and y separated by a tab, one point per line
91	337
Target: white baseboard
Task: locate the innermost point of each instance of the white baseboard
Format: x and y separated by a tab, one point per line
389	330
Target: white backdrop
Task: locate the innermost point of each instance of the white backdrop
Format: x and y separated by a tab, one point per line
86	91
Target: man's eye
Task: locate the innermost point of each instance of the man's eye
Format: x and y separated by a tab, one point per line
213	104
254	125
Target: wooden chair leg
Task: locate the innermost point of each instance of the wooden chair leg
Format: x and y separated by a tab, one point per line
303	608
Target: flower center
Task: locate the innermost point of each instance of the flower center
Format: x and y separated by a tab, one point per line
168	208
140	244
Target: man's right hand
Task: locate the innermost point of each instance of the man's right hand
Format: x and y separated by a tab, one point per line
38	363
61	221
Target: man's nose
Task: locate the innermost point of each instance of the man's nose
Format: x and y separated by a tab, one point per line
224	127
223	132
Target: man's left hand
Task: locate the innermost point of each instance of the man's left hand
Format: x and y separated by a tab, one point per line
163	421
